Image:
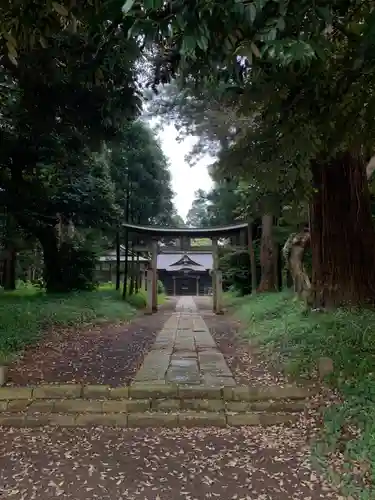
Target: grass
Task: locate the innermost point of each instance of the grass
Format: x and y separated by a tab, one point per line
297	337
26	313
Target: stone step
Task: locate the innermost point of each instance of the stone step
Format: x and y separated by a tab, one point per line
76	406
146	419
157	390
149	405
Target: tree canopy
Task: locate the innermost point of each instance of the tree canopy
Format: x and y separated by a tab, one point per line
298	78
72	144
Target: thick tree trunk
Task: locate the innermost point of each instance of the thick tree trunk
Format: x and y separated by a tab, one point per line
253	268
279	267
9	277
53	273
267	257
342	234
294	250
9	274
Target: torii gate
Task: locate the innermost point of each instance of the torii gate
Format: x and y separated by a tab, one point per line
152	234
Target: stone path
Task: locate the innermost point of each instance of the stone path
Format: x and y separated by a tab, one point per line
185	352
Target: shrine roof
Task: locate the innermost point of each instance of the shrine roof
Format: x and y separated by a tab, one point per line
178	261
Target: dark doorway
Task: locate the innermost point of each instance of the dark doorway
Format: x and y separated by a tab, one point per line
186	285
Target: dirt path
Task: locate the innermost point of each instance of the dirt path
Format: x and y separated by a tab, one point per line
193	464
99	355
245	463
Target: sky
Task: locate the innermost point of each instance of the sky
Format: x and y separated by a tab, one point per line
185	179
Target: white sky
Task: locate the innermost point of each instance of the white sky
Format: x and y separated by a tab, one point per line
185	179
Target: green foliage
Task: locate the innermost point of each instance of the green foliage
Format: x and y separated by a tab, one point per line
78	263
138	300
160	287
197	215
28	312
283	327
139	169
219	206
72	149
226	29
236	272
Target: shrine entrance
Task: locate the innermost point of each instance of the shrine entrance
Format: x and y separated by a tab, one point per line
148	238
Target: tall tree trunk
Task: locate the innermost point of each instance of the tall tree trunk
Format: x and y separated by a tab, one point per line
279	267
126	262
118	260
53	273
132	272
253	268
126	265
9	277
267	256
342	233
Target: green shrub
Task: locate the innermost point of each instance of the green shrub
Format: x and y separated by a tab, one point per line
78	264
138	300
160	287
236	272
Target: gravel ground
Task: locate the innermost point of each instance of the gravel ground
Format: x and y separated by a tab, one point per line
98	355
191	464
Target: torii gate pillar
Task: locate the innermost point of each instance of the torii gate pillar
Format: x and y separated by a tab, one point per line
154	264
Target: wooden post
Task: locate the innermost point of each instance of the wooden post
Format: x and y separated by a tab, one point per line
219	292
154	264
150	291
197	285
215	258
174	285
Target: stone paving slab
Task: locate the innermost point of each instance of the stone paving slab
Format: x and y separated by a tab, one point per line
214	380
184	352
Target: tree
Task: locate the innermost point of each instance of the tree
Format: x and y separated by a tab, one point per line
58	108
307	81
139	170
197	215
